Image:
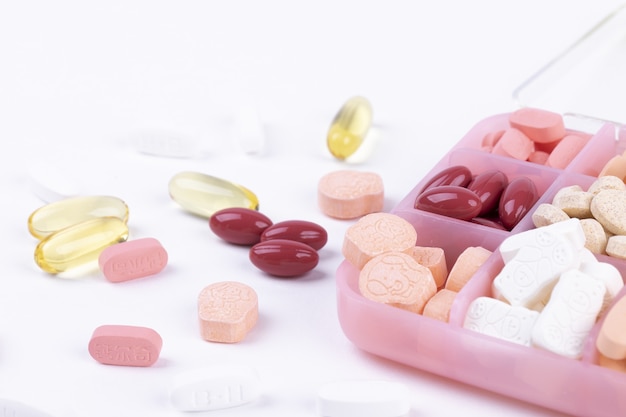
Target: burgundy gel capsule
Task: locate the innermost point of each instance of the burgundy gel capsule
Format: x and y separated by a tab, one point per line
451	201
489	186
303	231
238	225
455	175
284	258
516	201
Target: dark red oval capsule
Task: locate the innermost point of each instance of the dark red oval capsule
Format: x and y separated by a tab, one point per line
516	201
455	175
303	231
489	186
450	201
238	225
284	258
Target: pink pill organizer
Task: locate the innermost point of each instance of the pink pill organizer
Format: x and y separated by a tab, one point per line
579	387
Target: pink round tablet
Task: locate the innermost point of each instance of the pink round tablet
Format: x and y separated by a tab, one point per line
539	125
125	345
132	259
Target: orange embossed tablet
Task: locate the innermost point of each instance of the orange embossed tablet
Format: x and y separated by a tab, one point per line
227	311
439	305
348	194
377	233
466	266
395	278
433	259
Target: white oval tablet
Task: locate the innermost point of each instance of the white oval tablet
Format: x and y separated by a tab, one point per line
165	144
12	408
363	398
215	388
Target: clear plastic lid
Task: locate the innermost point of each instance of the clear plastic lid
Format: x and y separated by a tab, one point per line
586	83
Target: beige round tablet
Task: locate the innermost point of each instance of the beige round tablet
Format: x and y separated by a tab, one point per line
377	233
609	208
395	278
606	182
616	246
349	194
574	202
595	236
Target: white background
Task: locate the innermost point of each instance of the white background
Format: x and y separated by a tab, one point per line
79	79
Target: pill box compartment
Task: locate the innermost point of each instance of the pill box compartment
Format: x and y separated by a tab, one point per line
578	387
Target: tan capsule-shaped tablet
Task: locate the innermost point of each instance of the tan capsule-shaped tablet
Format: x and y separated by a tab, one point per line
395	278
611	341
348	194
67	212
595	236
546	214
466	266
227	311
377	233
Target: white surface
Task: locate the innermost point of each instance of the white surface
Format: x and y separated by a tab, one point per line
364	398
79	79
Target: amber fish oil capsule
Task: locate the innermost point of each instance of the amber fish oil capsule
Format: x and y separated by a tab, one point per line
349	127
64	213
203	194
80	244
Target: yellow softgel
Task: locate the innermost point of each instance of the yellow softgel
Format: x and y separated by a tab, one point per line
203	194
79	244
349	127
64	213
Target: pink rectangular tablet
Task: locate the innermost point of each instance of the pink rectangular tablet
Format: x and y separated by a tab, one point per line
125	345
132	259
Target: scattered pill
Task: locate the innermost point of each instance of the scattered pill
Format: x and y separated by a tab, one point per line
434	259
284	258
79	244
125	345
132	259
516	201
514	144
458	175
349	127
165	143
396	279
13	408
349	194
540	125
439	305
496	318
203	194
565	322
239	225
607	207
465	266
61	214
451	201
363	398
303	231
611	341
227	311
488	186
377	233
215	388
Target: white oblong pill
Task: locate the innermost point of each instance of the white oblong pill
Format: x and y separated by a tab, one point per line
363	398
12	408
215	388
164	143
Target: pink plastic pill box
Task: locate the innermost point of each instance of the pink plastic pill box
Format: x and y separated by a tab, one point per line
579	387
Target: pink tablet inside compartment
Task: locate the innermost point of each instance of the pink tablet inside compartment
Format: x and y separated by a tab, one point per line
577	387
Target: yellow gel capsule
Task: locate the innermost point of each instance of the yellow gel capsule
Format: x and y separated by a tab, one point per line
203	194
64	213
349	127
79	244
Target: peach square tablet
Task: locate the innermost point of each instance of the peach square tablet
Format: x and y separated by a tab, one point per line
377	233
227	311
348	194
395	278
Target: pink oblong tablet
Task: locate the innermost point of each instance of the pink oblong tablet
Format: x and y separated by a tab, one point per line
541	126
132	259
122	345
